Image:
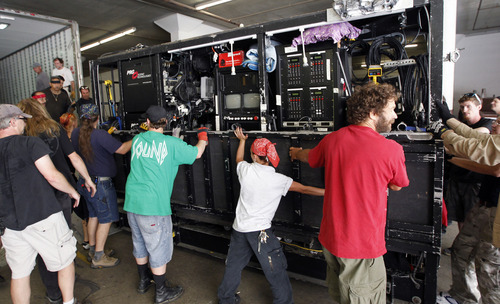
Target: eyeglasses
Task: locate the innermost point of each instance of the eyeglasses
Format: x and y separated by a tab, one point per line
474	95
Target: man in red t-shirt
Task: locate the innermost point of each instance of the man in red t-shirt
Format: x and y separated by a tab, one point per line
360	164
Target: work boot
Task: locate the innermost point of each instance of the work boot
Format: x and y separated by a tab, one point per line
108	252
145	282
166	294
104	262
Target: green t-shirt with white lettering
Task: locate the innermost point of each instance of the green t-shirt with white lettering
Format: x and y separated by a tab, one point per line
155	159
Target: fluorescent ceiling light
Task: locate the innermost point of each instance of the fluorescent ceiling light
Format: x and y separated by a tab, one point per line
411	45
3	26
210	3
129	31
7	17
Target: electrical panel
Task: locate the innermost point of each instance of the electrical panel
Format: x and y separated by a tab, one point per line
309	89
238	99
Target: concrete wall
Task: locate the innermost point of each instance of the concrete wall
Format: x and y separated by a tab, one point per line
478	66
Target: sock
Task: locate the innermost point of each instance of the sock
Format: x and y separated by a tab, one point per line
98	255
70	302
143	270
92	249
159	279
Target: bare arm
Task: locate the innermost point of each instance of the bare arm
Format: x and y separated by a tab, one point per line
298	187
55	178
240	153
201	145
476	167
394	187
79	165
299	154
124	148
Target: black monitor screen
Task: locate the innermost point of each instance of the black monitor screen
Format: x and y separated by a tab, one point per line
233	101
251	100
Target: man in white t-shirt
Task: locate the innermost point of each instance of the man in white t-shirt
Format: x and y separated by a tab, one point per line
261	191
67	74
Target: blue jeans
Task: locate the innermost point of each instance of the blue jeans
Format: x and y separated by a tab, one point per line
104	204
271	259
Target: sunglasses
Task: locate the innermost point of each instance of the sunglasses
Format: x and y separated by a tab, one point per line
473	95
21	118
84	88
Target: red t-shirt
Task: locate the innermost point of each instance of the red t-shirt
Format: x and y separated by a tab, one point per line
359	165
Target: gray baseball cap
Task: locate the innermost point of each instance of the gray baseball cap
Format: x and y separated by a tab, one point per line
9	110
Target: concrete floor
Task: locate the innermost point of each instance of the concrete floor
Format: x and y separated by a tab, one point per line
199	274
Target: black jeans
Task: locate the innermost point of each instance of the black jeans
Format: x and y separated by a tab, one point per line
271	259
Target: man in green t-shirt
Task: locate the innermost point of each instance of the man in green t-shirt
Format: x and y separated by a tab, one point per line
155	160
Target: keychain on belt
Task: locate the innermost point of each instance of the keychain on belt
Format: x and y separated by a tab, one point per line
262	238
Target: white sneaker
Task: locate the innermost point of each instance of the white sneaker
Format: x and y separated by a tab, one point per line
445	298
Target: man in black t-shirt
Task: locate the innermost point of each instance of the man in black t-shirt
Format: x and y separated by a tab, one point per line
58	101
30	215
463	185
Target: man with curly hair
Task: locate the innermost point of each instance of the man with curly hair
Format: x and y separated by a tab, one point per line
360	164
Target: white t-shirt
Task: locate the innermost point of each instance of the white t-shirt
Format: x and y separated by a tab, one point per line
260	195
66	73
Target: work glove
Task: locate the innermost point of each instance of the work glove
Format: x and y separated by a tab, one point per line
72	95
176	132
203	134
438	128
443	110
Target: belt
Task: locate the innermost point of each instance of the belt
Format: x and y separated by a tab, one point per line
99	178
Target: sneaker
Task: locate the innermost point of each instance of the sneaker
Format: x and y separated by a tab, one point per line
85	245
446	251
52	301
108	252
445	298
104	262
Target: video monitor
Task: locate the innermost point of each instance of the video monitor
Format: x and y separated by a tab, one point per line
251	100
233	101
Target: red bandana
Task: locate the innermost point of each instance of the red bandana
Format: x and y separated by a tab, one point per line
263	147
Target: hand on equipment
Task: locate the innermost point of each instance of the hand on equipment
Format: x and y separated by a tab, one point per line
239	134
293	153
176	132
438	128
443	110
203	134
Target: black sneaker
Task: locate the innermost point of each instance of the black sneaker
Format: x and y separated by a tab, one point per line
52	301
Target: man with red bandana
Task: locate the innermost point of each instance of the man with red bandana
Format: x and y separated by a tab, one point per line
360	164
260	195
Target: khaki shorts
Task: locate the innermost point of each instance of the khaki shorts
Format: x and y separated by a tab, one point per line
51	238
355	281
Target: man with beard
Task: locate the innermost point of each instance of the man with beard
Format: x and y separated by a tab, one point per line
462	186
360	164
58	101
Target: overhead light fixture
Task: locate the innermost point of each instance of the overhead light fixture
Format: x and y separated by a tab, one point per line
129	31
7	17
3	26
209	4
411	45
